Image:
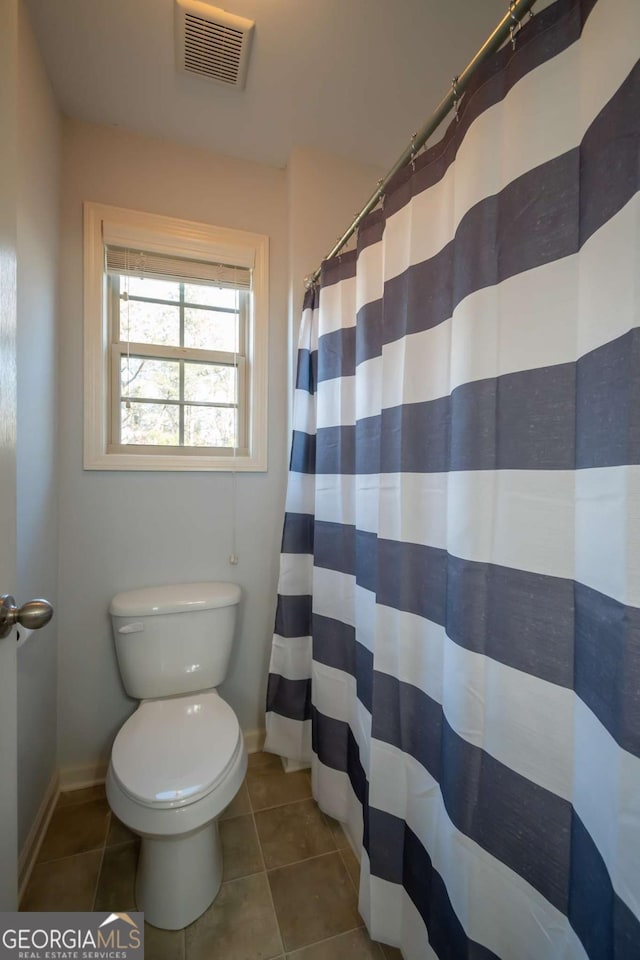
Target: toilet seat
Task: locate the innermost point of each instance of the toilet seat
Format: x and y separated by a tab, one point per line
173	752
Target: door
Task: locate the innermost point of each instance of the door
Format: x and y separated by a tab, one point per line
8	673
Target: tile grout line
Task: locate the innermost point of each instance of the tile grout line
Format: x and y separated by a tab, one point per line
334	936
295	863
104	849
304	860
125	843
266	875
276	806
68	856
357	890
356	887
78	853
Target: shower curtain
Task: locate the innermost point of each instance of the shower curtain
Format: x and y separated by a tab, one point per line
457	639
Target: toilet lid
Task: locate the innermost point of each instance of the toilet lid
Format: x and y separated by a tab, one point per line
172	752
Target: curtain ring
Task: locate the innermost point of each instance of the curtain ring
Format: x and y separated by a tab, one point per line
516	25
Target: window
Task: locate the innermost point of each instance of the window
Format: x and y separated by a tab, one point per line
175	344
178	354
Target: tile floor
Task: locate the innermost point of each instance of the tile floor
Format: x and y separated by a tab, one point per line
289	884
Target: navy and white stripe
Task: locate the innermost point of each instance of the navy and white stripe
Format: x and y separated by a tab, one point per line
457	641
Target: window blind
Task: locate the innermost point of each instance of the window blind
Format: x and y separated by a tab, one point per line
160	266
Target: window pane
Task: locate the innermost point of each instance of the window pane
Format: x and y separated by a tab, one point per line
152	379
209	426
209	330
149	423
153	289
209	296
149	322
209	382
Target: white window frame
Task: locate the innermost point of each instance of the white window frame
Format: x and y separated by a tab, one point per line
116	225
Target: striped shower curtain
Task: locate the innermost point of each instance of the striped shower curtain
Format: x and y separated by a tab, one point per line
457	641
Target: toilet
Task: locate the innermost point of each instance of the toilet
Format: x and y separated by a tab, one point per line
180	759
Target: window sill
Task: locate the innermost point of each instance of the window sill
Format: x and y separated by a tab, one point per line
174	462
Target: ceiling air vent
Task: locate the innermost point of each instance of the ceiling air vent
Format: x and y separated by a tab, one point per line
212	43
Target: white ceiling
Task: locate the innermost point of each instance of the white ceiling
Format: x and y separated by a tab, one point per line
354	77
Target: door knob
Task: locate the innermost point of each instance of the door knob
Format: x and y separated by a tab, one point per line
32	615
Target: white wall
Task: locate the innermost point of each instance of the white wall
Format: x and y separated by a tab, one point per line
123	530
37	222
325	194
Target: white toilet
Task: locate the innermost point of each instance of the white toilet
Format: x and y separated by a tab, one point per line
180	759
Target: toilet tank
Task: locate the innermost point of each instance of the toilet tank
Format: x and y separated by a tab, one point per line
174	639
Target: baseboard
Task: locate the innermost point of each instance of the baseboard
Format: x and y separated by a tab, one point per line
75	778
356	847
292	766
31	847
254	740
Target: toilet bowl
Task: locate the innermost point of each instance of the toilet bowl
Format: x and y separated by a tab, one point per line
180	758
175	766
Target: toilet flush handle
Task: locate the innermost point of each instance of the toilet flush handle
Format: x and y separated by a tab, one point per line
132	628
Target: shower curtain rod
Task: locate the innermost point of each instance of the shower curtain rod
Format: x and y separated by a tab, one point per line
508	27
